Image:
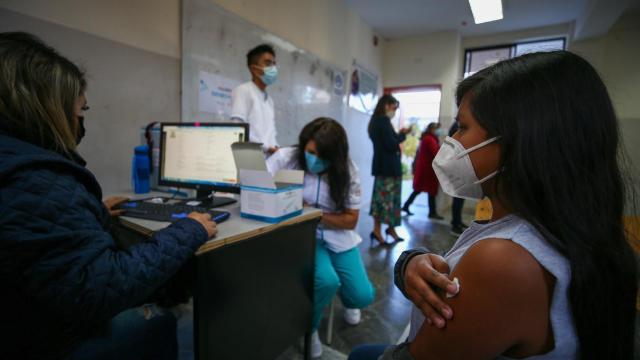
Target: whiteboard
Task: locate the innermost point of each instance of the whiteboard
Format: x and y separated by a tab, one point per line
214	45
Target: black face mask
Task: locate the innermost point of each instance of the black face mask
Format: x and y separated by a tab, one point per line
81	130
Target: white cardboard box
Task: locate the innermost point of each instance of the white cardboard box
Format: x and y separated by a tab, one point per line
262	196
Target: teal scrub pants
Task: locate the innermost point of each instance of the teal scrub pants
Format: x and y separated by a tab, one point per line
343	270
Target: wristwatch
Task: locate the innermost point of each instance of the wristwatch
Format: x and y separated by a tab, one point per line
401	265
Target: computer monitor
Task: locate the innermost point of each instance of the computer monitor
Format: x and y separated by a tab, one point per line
199	156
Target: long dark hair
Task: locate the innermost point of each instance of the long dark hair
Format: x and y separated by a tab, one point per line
379	111
38	91
561	172
332	145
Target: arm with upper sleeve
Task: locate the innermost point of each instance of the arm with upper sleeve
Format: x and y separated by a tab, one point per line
390	139
240	104
348	218
79	269
283	159
502	308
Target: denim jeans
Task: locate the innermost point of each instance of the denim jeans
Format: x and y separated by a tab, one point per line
145	332
367	352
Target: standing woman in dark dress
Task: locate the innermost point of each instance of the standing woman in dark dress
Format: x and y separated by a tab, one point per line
385	203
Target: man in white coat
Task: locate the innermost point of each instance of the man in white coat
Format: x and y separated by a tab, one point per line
252	104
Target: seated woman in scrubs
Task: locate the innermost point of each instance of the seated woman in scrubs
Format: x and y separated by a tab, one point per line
331	183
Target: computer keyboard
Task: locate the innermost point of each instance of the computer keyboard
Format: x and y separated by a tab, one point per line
167	212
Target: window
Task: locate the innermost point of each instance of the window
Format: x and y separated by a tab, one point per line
478	59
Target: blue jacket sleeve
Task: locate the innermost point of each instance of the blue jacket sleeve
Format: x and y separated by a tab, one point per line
390	139
101	280
79	271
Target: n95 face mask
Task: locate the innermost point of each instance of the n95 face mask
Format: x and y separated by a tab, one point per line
455	172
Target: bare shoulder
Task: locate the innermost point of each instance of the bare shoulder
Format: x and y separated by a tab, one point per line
499	258
502	307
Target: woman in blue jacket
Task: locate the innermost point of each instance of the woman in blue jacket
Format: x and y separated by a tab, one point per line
67	289
387	187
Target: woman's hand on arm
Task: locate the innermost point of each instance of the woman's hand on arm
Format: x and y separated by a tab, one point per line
502	307
425	276
347	219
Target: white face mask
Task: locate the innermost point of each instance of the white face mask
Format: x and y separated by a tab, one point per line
455	171
391	114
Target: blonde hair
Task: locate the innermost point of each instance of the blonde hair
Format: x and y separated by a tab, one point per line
38	91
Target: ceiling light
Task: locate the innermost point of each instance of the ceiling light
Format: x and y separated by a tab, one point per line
486	10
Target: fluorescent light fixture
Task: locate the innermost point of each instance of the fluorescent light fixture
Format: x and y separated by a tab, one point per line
486	10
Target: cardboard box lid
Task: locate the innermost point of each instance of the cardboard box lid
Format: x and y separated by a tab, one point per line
252	168
248	156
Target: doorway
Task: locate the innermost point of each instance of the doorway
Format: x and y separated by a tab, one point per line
419	106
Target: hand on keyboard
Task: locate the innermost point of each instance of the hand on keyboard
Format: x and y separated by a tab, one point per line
112	202
142	209
205	220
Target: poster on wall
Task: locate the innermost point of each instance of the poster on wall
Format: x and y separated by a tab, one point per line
363	93
215	94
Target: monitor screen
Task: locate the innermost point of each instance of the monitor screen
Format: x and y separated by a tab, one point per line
198	155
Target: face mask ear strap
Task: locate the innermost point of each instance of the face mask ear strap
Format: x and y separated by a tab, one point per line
476	147
487	177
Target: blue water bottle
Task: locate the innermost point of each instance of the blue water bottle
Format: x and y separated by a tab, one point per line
141	168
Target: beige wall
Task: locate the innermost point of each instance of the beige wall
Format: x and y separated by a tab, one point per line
152	25
327	28
615	56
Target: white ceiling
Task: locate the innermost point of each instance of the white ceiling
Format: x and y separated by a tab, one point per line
394	19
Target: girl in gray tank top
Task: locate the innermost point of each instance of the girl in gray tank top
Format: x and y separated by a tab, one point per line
552	276
522	233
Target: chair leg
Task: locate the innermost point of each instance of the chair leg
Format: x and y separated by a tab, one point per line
330	323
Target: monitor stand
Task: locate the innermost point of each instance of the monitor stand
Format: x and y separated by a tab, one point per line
208	200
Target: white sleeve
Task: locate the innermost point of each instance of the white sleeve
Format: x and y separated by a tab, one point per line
355	190
284	158
240	104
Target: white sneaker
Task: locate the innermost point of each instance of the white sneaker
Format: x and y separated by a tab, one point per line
316	345
352	316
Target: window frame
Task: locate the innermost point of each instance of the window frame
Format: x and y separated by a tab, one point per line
511	46
411	88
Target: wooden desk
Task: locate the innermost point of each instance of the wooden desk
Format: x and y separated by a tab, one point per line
253	292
